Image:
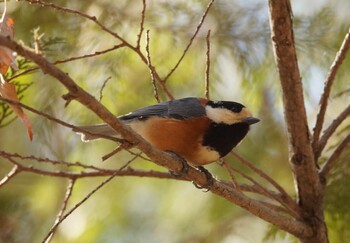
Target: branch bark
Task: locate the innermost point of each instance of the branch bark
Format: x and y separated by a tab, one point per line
309	188
295	227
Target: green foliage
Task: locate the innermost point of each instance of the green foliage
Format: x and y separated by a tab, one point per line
338	200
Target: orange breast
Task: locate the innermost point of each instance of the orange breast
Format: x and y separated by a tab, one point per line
183	137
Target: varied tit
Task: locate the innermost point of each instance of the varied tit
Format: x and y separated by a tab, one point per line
199	130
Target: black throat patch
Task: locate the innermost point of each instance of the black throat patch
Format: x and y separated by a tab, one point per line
223	138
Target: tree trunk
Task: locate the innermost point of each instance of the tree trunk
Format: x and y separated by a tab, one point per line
306	178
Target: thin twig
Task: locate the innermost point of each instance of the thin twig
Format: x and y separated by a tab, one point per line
191	41
102	88
142	22
76	12
292	204
50	161
330	130
339	58
334	157
124	42
85	199
68	194
96	53
290	207
207	70
230	172
15	170
151	69
51	118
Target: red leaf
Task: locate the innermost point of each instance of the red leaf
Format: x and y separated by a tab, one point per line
6	55
8	91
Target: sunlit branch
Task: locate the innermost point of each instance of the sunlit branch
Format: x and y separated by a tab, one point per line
15	170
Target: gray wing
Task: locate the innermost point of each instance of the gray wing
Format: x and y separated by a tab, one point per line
177	109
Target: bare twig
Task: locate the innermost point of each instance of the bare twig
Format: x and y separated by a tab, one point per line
151	69
96	53
15	170
339	58
68	194
123	41
57	223
51	118
330	130
263	175
334	157
76	12
207	70
102	88
63	217
142	22
230	172
290	207
37	38
191	40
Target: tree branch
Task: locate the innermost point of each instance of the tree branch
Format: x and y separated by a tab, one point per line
330	130
302	161
207	70
339	58
107	30
309	187
334	158
294	227
15	170
60	214
191	41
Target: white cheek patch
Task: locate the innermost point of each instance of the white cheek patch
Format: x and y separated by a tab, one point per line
222	115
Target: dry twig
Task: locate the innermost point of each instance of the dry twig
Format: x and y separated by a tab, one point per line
207	70
339	58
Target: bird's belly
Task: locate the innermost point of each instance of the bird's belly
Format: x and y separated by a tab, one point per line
183	137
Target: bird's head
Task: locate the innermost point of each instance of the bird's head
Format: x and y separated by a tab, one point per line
229	112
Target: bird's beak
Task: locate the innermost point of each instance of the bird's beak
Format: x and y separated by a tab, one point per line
251	120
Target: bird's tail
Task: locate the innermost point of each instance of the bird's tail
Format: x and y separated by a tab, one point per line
94	131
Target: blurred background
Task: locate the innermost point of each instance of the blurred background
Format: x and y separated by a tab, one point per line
133	209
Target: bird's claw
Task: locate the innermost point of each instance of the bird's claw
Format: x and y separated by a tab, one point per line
210	180
185	166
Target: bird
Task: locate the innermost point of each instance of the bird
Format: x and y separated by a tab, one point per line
199	130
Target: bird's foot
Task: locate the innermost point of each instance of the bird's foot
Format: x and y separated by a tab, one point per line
185	166
210	179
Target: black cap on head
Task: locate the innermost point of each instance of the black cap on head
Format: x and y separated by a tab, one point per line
230	105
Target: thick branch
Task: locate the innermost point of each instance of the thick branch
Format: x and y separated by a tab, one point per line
310	190
302	161
75	92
